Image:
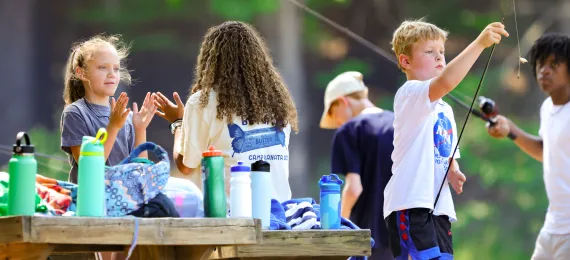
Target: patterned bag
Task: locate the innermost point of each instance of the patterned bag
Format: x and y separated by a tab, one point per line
132	183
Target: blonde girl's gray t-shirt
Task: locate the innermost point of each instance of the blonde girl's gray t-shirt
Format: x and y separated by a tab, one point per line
82	118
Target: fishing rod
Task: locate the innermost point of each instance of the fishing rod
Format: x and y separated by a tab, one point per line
487	111
391	58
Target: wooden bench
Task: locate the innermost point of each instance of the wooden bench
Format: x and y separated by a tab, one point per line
302	244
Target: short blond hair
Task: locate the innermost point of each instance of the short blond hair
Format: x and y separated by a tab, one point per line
410	32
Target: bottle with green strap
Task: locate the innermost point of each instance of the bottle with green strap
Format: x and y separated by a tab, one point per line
91	176
22	168
213	184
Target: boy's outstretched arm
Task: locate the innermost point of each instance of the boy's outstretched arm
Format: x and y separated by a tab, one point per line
528	143
457	69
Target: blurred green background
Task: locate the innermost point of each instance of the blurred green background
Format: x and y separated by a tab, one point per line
503	205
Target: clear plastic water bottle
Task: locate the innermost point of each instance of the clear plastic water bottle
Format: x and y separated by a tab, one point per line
330	201
91	176
240	191
22	168
262	188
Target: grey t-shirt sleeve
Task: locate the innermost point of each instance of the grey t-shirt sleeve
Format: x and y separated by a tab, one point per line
73	128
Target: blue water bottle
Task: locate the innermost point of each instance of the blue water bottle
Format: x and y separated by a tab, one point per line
330	201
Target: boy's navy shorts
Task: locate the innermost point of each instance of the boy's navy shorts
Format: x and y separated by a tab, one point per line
420	234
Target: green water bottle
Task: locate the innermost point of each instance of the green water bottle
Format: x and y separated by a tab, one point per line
91	176
22	183
213	184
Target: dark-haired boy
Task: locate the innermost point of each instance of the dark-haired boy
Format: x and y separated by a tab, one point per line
549	58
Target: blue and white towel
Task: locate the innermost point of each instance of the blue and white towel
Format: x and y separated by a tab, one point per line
303	214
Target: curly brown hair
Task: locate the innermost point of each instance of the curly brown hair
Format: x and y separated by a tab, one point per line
235	62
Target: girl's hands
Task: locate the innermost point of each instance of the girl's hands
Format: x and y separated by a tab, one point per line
168	110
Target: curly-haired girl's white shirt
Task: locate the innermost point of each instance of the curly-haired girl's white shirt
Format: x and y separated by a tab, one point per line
237	140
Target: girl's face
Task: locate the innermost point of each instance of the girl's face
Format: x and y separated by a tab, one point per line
102	75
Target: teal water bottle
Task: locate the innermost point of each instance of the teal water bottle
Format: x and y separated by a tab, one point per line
22	183
213	184
91	176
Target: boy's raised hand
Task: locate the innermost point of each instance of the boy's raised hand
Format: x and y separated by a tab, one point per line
492	34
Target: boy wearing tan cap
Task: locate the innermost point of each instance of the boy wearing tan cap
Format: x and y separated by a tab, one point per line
361	150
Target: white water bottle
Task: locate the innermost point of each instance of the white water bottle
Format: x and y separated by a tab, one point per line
240	191
262	187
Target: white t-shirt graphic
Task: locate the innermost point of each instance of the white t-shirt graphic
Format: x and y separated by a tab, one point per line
237	140
554	125
425	135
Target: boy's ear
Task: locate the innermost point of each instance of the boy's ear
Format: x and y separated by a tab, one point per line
405	61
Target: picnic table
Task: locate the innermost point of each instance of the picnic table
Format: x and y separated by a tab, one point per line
36	237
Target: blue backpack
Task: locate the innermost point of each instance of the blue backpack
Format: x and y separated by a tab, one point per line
135	181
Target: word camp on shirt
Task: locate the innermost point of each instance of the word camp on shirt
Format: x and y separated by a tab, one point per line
425	136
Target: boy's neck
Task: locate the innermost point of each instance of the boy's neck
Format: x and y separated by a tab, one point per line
102	101
561	96
411	76
364	104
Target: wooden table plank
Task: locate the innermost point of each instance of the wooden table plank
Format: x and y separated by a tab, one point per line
14	229
119	231
302	244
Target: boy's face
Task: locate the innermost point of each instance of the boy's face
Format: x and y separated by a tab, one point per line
427	59
552	76
341	111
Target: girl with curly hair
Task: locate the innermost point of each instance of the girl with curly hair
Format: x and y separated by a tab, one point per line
239	104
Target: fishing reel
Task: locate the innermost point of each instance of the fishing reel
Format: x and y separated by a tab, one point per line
488	108
490	112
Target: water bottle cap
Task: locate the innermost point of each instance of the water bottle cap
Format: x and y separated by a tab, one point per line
19	148
212	152
240	167
330	179
260	166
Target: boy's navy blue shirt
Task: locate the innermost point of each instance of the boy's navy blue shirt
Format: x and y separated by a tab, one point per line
364	146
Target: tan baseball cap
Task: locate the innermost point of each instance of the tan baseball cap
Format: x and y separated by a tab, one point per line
344	84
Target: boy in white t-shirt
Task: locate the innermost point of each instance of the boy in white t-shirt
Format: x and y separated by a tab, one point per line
425	137
239	104
550	60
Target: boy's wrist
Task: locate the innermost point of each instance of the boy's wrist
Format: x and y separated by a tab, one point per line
478	45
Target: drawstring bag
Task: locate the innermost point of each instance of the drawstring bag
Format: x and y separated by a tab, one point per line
132	183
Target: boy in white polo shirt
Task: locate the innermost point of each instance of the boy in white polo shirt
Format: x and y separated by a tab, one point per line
425	138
